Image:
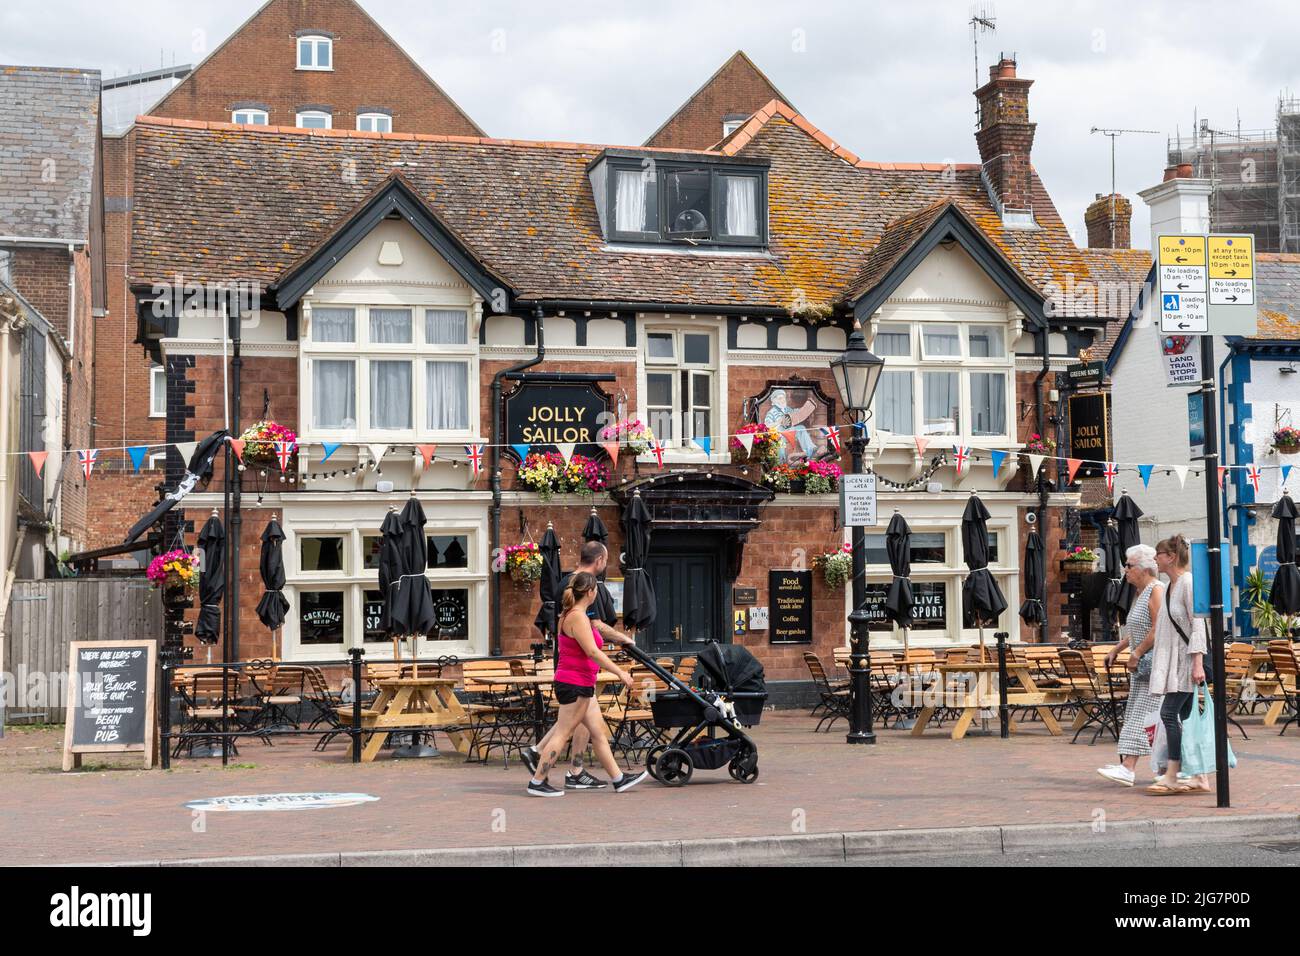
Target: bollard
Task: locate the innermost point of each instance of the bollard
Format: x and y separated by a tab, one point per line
355	732
1003	713
165	716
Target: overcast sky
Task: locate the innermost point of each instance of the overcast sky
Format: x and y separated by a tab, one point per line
890	80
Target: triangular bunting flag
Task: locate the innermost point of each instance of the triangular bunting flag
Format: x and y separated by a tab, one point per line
1222	469
330	448
1181	472
1035	463
137	455
962	456
747	440
1071	468
832	436
186	449
38	461
1252	475
283	452
88	457
921	444
1111	472
706	443
791	439
566	450
474	454
377	453
659	447
426	452
1286	471
523	451
611	449
236	445
998	458
1145	472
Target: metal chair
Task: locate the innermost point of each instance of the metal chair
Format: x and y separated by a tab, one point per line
834	694
1281	655
1097	706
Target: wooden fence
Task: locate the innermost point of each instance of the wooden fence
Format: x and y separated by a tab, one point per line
45	616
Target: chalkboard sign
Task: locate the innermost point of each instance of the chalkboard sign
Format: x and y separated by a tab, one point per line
110	700
789	598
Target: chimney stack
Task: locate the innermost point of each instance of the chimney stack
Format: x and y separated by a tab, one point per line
1006	136
1108	220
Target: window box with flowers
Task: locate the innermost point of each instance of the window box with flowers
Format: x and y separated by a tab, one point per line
836	566
633	436
260	439
524	563
1286	441
806	477
763	449
1081	560
547	474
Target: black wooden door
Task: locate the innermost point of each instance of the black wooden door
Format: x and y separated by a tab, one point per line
687	578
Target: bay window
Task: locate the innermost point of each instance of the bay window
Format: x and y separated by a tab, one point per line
400	373
944	379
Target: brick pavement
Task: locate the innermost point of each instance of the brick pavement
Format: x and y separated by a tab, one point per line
902	782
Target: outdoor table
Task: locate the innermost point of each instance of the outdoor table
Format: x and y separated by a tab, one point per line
412	703
1269	686
985	697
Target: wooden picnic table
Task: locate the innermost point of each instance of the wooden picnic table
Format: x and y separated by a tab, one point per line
985	696
412	703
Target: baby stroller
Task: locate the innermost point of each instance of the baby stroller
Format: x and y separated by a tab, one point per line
730	696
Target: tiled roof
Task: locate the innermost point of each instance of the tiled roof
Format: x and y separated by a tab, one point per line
49	129
898	237
1277	291
217	201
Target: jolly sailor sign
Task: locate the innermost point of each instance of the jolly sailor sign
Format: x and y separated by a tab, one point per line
557	411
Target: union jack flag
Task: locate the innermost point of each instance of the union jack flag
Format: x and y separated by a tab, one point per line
962	455
475	455
659	447
1110	471
284	451
1252	475
88	457
832	436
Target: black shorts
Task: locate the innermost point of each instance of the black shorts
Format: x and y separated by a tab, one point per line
571	693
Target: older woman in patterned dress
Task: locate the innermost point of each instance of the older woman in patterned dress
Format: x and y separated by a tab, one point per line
1139	634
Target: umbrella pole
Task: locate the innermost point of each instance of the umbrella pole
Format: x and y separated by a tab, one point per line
907	674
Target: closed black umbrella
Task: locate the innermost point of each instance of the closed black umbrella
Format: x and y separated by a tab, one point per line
1285	595
1126	516
1113	597
899	599
212	581
274	606
1032	611
982	599
595	530
549	585
412	609
638	593
390	569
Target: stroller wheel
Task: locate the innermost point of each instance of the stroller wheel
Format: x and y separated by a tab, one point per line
674	768
744	768
652	760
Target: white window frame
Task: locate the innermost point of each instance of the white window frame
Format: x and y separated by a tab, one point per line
328	117
256	117
375	119
313	39
963	364
362	352
683	449
157	390
354	580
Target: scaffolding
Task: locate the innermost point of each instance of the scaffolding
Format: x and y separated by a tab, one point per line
1255	176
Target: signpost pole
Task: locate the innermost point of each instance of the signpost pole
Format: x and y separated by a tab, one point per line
860	731
1215	535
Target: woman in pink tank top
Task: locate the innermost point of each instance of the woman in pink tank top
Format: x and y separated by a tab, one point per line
580	659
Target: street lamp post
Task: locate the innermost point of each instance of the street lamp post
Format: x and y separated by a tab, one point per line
857	373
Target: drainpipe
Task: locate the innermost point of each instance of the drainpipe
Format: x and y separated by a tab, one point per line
498	430
1042	423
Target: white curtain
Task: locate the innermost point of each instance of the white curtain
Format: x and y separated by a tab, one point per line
390	326
333	325
942	403
942	340
629	201
988	399
894	402
334	393
446	327
742	205
390	394
447	395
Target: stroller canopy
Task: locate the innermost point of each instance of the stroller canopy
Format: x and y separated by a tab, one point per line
730	668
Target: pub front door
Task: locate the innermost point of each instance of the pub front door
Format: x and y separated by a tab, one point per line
686	570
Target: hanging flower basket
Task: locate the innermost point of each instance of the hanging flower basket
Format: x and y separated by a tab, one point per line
836	566
524	564
260	438
1081	560
633	436
1286	441
175	570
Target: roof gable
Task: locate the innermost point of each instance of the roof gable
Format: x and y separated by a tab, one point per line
738	88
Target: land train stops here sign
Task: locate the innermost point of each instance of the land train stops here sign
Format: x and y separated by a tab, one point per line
110	700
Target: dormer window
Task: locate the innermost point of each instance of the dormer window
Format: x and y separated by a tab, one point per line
315	52
315	119
653	200
374	123
248	117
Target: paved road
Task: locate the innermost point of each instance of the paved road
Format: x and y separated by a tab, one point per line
1221	855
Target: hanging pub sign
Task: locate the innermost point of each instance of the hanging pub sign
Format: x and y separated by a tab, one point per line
1085	374
1089	431
546	412
789	597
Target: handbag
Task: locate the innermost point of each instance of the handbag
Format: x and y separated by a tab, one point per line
1206	660
1198	736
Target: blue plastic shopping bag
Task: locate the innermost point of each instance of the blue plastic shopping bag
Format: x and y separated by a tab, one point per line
1198	736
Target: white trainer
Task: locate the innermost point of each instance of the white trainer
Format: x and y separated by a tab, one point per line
1119	774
